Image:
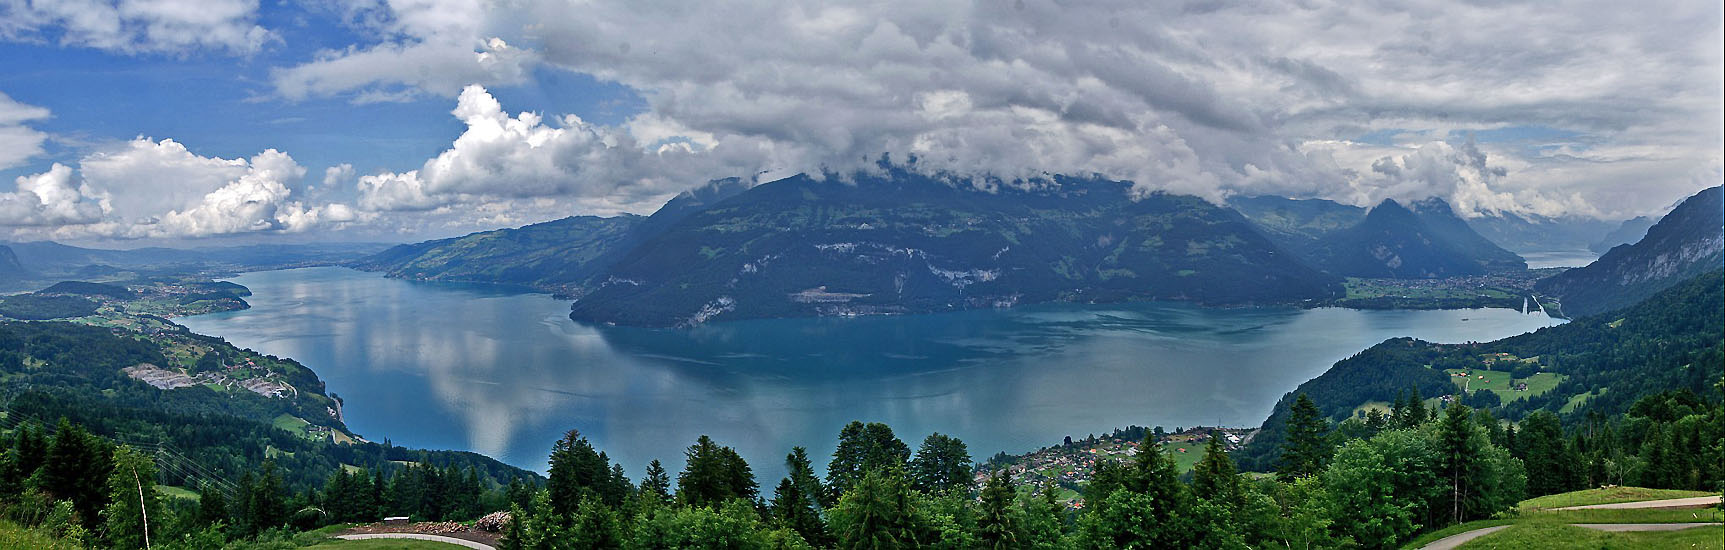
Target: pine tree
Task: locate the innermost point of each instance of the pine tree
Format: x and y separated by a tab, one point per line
877	513
713	475
996	526
212	506
1215	478
75	468
576	469
863	448
942	465
656	484
797	500
1303	449
1457	458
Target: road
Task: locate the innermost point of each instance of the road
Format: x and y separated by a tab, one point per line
419	536
1693	502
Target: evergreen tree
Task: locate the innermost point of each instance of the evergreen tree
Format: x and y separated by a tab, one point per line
1550	466
656	484
878	513
266	501
23	459
132	500
1044	521
714	474
863	448
942	464
1215	479
75	469
997	527
212	506
1303	449
576	469
797	500
596	527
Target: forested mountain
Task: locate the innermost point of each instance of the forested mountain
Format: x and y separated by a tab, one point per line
551	255
903	243
561	256
1297	223
1450	229
1396	242
1672	341
1685	243
223	414
11	270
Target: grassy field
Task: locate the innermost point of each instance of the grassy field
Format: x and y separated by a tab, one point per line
293	424
14	536
1498	381
1184	461
1606	496
1537	528
173	492
1556	535
1578	400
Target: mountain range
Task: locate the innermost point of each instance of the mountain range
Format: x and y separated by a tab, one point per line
1686	242
1423	240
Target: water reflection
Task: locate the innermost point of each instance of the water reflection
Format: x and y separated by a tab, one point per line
504	374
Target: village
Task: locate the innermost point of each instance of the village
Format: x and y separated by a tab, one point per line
1067	467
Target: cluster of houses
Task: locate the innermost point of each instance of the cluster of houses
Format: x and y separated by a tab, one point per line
1070	465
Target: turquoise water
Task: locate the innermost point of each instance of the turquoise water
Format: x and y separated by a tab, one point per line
504	374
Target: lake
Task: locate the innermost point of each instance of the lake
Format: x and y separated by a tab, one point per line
506	373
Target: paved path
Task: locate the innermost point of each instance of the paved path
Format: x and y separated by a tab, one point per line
1452	541
418	536
1693	502
1618	527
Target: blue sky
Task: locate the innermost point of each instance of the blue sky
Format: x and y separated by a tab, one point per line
133	123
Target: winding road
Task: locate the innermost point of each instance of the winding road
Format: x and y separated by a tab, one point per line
1454	541
419	536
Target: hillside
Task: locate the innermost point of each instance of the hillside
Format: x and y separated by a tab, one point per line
1297	223
1395	242
1685	243
220	406
549	255
906	243
561	256
1606	362
1452	230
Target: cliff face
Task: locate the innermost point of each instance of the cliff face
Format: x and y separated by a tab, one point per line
1687	242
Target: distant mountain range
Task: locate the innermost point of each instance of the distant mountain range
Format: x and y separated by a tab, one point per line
893	243
1630	231
1389	241
1687	242
901	242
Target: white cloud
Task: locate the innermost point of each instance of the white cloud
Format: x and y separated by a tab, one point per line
502	157
337	175
48	199
159	189
138	26
429	46
17	141
1195	97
